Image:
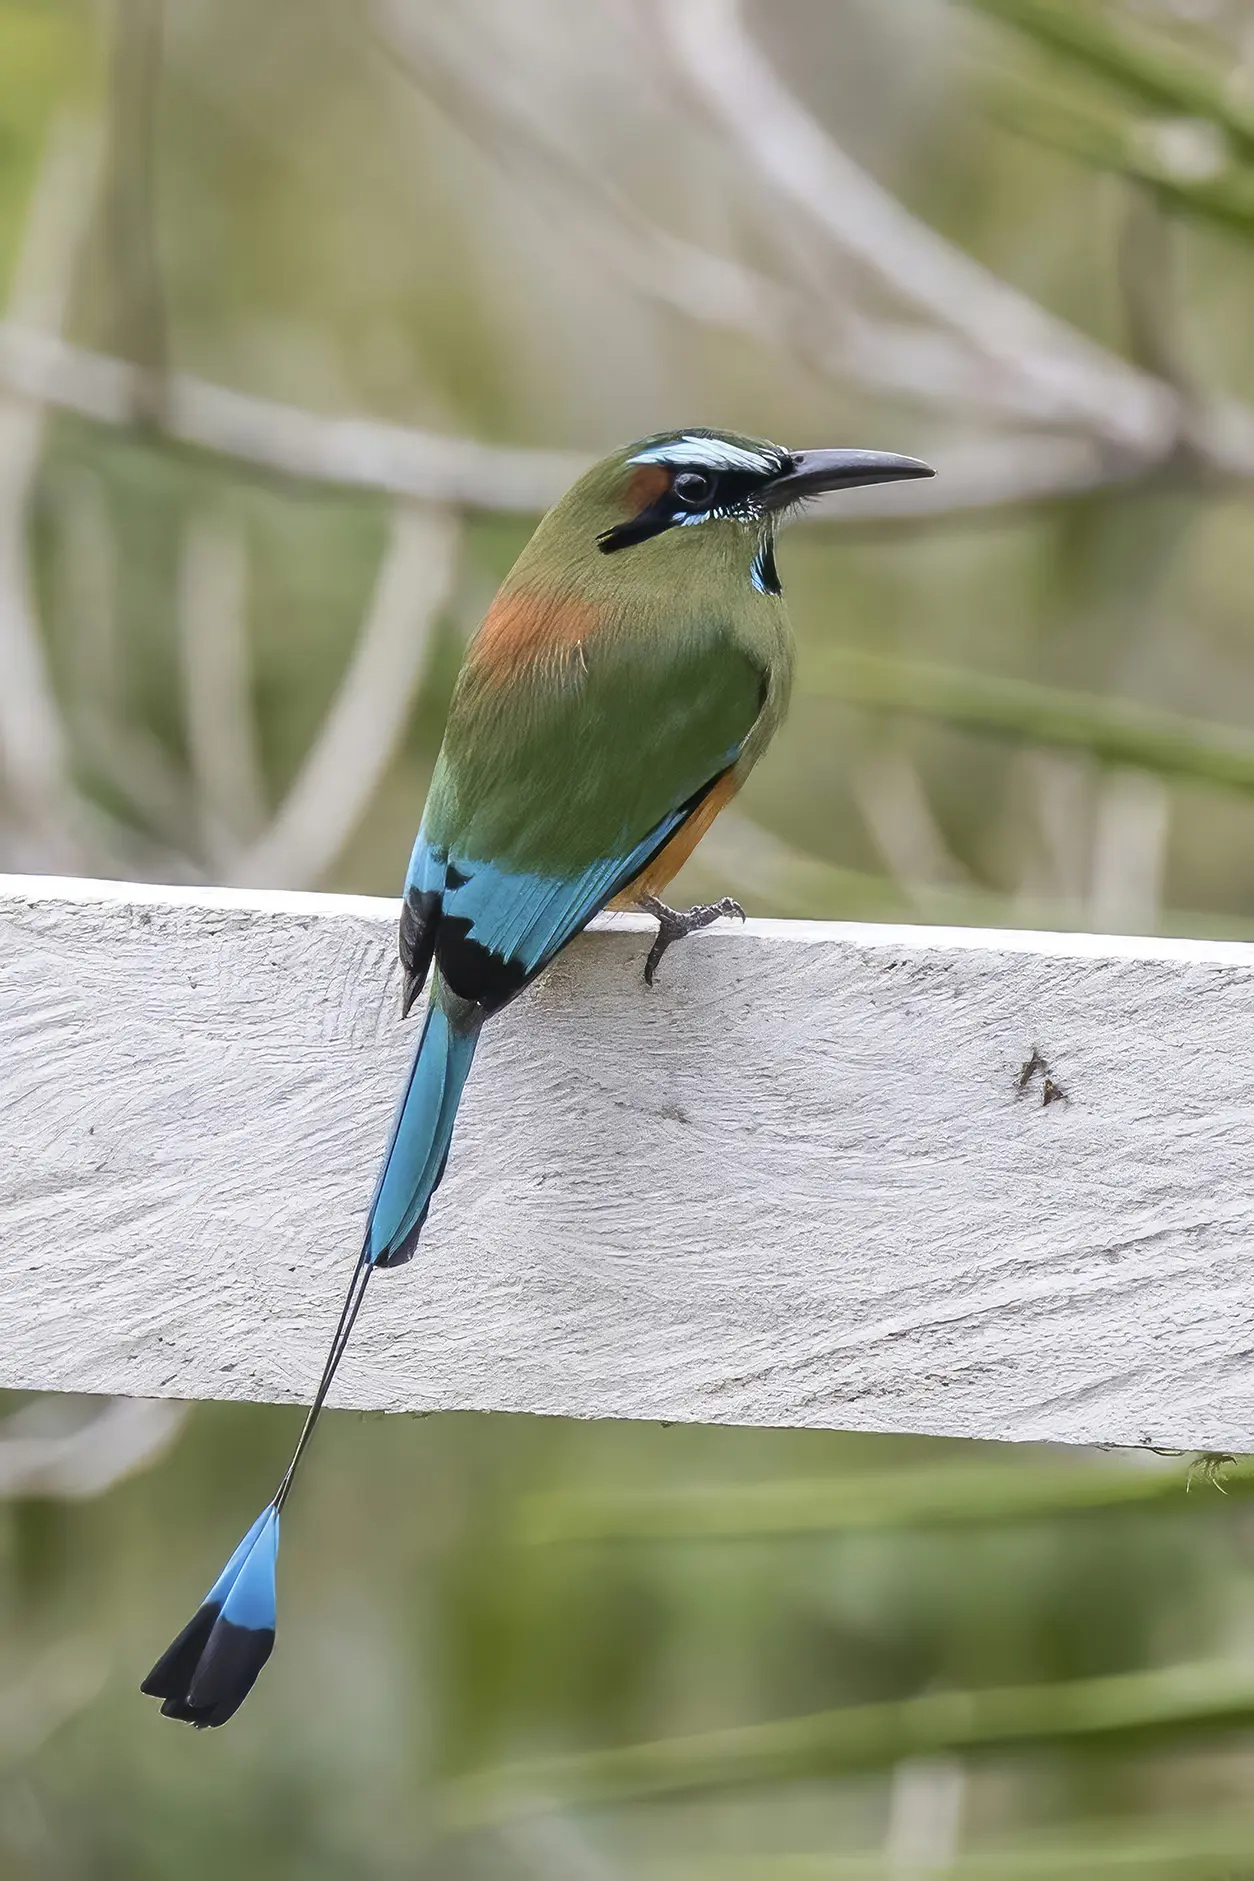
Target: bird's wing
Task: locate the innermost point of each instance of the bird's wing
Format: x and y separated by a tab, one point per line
492	929
550	799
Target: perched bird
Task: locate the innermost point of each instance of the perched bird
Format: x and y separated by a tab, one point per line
626	679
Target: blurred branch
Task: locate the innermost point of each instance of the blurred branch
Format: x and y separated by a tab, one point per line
1130	423
1061	788
981	345
1114	731
859	216
41	1456
1151	1848
368	716
217	688
396	460
1163	74
34	759
115	754
996	474
554	1848
1151	301
894	806
925	1808
360	453
52	1689
464	77
1054	374
1132	811
1132	826
955	1496
84	599
1181	162
1119	1712
133	295
761	868
782	879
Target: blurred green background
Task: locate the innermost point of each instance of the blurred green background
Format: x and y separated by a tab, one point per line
267	272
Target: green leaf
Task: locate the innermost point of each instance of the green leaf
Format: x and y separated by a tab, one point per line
1139	1850
1112	731
1122	1711
1159	73
1168	157
954	1496
777	877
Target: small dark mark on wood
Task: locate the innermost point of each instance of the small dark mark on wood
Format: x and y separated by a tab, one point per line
1051	1091
1029	1069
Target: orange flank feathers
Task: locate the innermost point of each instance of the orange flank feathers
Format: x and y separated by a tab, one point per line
526	628
669	861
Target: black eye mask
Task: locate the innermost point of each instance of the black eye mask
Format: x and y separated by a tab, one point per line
692	493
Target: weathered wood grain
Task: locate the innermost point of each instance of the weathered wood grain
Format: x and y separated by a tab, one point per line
796	1183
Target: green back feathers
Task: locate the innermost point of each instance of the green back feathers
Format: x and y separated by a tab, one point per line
572	764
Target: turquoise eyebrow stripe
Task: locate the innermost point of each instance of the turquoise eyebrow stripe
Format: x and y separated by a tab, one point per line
709	453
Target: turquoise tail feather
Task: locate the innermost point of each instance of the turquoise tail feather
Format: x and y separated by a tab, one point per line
208	1671
422	1128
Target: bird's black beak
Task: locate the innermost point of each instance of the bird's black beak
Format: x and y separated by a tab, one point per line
811	472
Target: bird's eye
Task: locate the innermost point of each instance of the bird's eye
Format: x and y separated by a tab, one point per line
693	488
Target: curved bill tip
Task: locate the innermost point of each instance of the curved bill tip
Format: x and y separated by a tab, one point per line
810	473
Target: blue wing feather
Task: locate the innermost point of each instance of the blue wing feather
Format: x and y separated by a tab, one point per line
529	918
515	916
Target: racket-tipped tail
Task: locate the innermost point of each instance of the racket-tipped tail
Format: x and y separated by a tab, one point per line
205	1675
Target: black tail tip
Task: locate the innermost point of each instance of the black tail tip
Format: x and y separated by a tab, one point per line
205	1675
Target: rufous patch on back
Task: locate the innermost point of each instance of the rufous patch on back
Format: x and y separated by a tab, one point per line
526	628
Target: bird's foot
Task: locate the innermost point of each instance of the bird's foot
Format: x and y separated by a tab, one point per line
674	924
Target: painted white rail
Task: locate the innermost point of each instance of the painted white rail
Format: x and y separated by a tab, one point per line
810	1178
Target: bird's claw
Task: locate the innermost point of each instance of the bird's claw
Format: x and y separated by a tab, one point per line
675	924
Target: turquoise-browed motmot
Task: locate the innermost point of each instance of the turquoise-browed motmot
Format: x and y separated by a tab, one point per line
625	681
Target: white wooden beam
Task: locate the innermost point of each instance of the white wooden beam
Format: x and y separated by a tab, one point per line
804	1180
